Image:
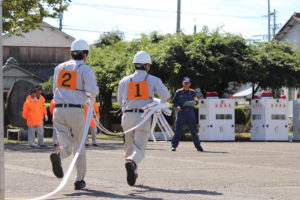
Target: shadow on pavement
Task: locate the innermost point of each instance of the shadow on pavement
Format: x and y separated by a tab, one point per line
152	189
95	193
107	146
214	152
26	149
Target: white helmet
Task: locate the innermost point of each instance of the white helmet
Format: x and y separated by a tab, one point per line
79	45
142	57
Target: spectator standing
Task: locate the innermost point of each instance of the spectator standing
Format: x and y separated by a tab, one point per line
33	114
93	125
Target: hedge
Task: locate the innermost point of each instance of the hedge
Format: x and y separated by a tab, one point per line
242	114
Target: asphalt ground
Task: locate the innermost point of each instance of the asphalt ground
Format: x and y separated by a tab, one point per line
226	170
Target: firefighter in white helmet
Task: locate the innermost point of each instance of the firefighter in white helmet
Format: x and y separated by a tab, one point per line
72	84
134	92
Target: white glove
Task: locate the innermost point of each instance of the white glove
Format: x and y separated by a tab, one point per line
46	118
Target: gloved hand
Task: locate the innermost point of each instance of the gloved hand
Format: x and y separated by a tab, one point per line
46	118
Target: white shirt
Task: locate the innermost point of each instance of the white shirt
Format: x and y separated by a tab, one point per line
155	86
86	82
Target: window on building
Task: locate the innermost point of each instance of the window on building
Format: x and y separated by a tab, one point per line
256	117
278	117
223	116
202	117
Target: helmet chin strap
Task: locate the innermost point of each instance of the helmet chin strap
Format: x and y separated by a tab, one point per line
147	67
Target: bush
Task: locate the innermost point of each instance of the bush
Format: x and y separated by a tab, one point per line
115	106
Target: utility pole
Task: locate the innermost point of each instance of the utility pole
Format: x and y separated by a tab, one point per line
269	22
61	14
1	113
178	16
274	23
195	27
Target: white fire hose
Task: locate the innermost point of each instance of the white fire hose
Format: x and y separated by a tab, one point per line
85	132
156	108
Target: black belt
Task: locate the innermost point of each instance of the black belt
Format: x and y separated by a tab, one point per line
135	110
187	109
68	105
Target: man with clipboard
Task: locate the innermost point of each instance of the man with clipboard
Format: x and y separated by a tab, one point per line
184	102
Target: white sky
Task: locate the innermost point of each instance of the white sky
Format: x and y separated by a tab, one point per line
134	17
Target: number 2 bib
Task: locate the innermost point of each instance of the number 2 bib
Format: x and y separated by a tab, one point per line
138	90
67	79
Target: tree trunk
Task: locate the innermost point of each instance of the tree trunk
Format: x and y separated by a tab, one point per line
254	90
105	108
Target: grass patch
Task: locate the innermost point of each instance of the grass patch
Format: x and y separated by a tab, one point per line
6	141
109	137
242	136
238	137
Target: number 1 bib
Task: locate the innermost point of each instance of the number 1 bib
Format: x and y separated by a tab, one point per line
67	79
138	90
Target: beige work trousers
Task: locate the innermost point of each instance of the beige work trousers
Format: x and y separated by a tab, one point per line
54	136
135	141
69	124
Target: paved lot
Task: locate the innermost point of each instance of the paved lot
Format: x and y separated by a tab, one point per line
231	170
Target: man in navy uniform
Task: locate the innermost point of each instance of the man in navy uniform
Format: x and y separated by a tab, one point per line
184	101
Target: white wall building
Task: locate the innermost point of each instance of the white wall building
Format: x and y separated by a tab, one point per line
290	33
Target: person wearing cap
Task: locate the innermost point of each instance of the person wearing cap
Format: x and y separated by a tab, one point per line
41	99
73	83
33	114
134	92
184	101
93	125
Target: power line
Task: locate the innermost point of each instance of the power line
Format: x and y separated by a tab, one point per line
66	27
269	22
164	11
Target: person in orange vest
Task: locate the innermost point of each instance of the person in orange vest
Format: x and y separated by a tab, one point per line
41	99
93	125
33	114
54	135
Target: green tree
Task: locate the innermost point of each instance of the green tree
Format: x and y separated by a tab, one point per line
274	65
216	60
23	15
48	86
109	38
110	64
213	60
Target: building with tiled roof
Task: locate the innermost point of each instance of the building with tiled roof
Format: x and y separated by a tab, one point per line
290	32
38	51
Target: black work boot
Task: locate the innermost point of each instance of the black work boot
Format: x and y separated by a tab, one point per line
56	165
131	174
200	148
78	185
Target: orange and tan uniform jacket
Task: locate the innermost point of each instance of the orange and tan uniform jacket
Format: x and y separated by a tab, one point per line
96	108
33	112
42	101
52	106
